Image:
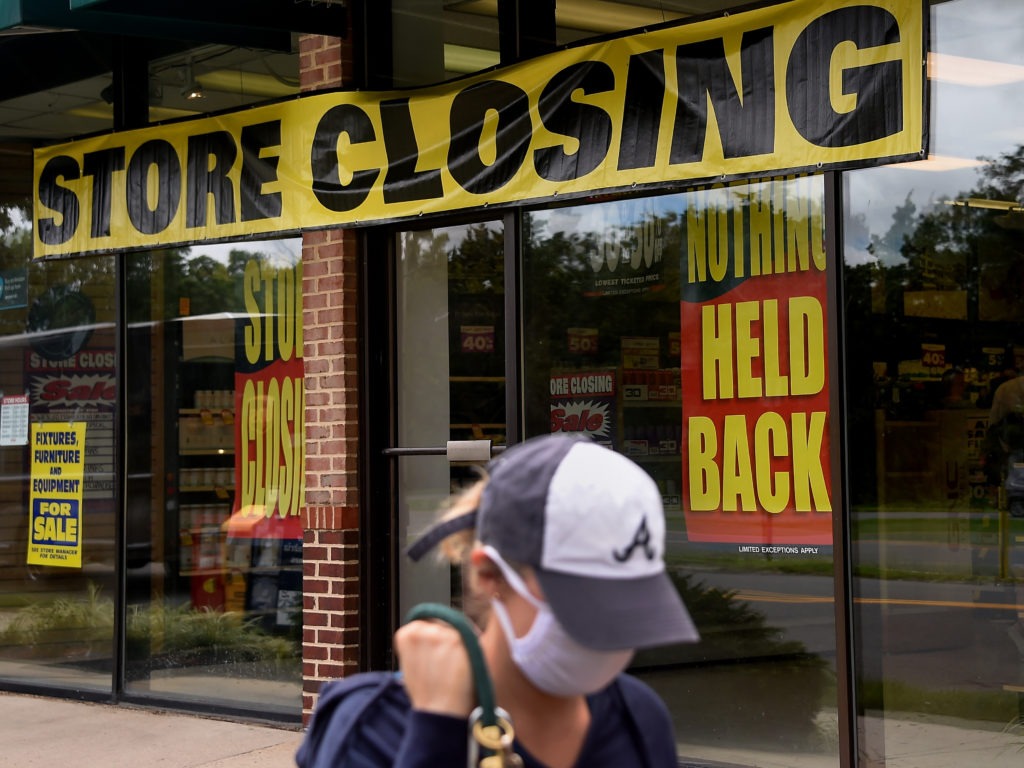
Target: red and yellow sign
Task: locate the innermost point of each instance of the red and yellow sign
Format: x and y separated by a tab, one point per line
754	359
270	400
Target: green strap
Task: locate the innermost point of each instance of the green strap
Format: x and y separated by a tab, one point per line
481	677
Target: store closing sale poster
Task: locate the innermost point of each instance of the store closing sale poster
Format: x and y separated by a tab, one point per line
754	368
55	499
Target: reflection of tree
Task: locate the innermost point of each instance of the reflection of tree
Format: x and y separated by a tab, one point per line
955	245
158	280
155	280
949	246
15	235
210	285
476	299
476	265
962	252
888	248
559	274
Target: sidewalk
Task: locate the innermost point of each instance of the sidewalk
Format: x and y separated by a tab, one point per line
43	731
49	732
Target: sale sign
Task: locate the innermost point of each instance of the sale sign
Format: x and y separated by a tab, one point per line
270	398
582	341
583	403
476	339
55	495
754	365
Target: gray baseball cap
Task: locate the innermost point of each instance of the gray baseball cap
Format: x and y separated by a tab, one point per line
590	523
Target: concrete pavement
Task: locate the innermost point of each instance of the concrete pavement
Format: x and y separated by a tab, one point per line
43	731
51	732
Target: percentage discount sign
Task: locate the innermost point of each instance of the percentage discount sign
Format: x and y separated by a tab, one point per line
582	341
477	338
933	355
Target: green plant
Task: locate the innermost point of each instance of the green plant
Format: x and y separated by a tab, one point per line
63	620
896	696
156	634
178	632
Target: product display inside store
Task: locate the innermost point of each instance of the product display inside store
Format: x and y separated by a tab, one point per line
215	530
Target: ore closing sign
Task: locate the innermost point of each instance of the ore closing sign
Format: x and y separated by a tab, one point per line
795	86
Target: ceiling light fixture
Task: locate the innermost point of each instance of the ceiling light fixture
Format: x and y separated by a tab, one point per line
192	90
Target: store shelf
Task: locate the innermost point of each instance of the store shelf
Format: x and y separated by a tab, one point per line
477	379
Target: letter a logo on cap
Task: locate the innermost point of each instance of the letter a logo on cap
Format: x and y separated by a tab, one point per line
642	538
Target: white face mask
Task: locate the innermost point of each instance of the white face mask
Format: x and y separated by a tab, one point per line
546	655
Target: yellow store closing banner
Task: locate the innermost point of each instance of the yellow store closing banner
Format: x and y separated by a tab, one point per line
796	86
55	498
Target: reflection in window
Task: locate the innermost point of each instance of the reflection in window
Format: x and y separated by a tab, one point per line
215	475
934	256
625	305
57	508
451	375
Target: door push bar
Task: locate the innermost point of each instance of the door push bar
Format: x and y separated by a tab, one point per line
455	450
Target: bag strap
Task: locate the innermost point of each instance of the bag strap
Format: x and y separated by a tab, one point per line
489	726
481	677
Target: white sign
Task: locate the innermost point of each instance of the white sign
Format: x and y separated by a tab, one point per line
14	420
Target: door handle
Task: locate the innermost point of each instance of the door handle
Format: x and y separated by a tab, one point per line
454	450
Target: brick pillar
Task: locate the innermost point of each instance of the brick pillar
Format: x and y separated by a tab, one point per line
330	515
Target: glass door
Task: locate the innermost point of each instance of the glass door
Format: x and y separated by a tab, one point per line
450	378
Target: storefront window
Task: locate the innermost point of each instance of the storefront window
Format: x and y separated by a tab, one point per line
215	450
934	254
688	332
216	78
58	526
435	40
451	376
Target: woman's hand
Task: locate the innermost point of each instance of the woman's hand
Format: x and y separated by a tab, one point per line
435	668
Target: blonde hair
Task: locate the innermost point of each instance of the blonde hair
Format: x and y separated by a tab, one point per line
456	547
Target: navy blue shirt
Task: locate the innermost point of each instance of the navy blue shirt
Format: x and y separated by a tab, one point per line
366	721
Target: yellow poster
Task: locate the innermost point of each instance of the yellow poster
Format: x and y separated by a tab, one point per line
55	499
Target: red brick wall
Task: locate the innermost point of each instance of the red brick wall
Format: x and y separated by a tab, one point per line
330	515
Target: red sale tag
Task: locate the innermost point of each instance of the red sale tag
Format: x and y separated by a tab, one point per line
582	341
933	355
477	338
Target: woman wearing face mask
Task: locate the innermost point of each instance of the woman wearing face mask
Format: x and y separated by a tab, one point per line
564	548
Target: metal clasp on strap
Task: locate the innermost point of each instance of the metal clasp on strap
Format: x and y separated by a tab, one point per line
496	739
